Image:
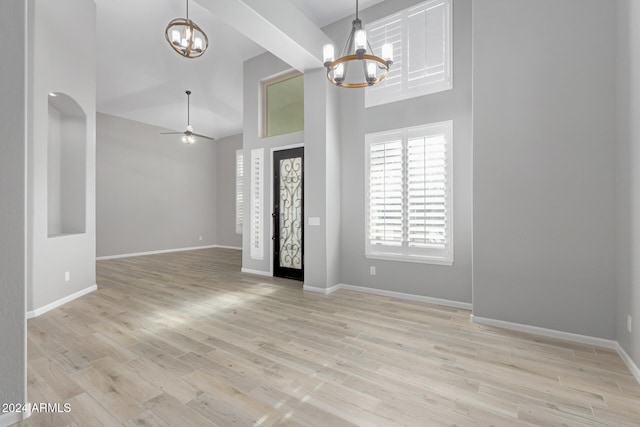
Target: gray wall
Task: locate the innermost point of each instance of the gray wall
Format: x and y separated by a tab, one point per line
544	164
154	192
333	185
321	181
56	68
255	70
445	282
321	264
12	209
226	191
628	219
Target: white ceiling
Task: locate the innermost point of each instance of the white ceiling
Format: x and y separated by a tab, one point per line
141	78
324	12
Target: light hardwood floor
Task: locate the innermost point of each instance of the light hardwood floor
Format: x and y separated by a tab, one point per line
185	339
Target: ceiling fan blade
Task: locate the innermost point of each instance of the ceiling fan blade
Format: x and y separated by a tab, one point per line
202	136
171	133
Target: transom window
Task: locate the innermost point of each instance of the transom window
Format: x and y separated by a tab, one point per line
283	104
421	37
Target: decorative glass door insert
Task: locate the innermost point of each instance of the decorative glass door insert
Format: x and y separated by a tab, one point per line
288	213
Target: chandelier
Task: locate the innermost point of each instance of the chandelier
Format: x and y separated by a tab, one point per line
370	69
186	37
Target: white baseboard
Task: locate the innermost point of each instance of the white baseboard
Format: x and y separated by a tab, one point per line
568	336
551	333
324	291
12	417
39	311
410	297
256	272
393	294
164	251
228	247
629	362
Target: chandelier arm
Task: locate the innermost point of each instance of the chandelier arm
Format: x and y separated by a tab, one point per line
204	36
347	46
192	38
370	48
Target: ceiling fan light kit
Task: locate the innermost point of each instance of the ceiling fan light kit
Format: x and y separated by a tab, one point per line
189	139
185	37
374	68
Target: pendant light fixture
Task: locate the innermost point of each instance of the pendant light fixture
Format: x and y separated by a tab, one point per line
357	53
186	37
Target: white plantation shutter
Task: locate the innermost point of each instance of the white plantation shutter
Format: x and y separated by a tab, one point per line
385	191
256	228
239	190
388	30
427	26
421	36
409	203
427	192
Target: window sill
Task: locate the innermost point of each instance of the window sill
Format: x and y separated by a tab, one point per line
60	235
433	89
410	258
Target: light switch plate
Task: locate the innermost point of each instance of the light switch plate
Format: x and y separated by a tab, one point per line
314	221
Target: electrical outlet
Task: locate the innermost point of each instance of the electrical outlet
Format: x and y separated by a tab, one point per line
67	276
372	270
629	322
200	238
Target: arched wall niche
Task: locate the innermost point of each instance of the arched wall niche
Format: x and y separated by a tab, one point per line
66	166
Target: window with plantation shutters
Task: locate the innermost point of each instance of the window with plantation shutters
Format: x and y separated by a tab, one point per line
239	190
409	198
256	189
421	37
385	189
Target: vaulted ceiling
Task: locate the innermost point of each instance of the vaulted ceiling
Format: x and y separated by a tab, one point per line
141	78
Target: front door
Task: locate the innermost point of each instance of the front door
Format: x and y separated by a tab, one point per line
288	213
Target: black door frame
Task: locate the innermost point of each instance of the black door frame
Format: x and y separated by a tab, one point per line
289	273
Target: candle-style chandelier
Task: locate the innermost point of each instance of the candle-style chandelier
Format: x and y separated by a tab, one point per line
186	37
371	70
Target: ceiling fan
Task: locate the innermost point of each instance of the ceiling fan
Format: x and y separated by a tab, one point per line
188	136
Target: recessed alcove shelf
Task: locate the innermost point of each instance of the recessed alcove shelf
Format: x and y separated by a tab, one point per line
66	166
